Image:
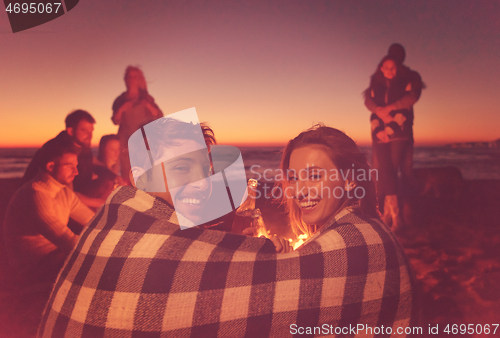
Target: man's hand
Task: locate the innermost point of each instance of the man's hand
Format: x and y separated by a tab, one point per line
250	231
384	113
282	245
91	202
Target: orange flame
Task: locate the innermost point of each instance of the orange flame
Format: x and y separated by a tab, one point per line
301	239
262	232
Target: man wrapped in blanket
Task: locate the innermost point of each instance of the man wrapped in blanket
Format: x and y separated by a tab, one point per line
136	273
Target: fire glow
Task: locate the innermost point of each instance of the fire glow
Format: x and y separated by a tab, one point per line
301	239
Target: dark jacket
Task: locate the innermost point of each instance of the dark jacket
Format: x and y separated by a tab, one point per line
402	91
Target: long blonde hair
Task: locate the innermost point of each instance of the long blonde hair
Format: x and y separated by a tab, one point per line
142	84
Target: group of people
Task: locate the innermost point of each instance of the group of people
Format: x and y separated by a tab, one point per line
63	186
134	271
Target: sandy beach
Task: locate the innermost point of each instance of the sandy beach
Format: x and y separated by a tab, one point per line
453	245
454	249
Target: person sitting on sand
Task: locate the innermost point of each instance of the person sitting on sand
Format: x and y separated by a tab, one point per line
330	198
109	158
35	231
78	132
209	283
174	158
109	152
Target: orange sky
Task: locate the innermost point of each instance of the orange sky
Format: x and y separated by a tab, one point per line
254	72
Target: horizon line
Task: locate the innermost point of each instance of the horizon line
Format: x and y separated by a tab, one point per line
271	144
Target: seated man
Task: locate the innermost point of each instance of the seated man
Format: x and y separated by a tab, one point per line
79	129
135	272
36	236
35	227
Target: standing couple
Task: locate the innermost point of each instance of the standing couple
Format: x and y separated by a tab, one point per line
134	271
394	89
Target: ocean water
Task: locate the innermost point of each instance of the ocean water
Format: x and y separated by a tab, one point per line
260	161
14	161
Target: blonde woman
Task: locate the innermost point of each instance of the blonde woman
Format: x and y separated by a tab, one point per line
132	109
325	173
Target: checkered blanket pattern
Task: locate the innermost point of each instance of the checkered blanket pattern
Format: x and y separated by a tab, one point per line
135	274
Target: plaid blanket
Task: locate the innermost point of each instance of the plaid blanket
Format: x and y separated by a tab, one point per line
135	274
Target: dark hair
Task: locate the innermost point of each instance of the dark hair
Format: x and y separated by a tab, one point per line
166	134
170	130
52	151
344	154
378	77
378	72
75	117
397	51
102	145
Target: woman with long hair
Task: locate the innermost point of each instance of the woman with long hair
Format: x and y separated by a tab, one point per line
390	97
109	156
132	109
330	197
109	152
324	173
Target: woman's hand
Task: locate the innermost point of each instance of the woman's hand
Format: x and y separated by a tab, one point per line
383	136
282	245
119	181
154	111
117	117
127	105
384	113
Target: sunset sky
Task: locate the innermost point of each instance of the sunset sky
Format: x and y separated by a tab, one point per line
256	71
